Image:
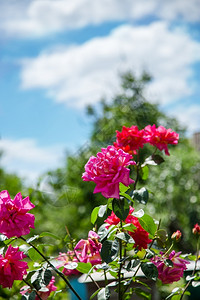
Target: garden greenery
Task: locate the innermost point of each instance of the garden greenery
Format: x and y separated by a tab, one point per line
127	242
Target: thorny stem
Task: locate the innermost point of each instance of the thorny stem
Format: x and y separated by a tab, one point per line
52	266
32	287
195	266
120	267
106	280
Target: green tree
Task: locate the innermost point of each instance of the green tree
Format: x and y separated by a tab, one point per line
9	181
76	198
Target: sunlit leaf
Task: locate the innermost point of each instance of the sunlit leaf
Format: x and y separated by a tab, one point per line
109	250
120	208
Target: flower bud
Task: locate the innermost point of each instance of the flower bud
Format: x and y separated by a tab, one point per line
196	229
176	235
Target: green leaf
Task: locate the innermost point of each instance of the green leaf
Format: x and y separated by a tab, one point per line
103	231
132	264
109	203
138	214
142	294
141	195
103	294
189	277
175	291
162	235
149	270
84	267
195	283
29	296
50	235
109	250
148	224
190	257
71	265
111	234
120	208
41	278
153	160
94	214
176	297
168	262
144	173
46	276
102	210
34	255
123	188
3	238
127	196
125	237
33	238
94	294
129	227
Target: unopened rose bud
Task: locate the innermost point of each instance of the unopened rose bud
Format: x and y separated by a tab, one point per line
176	235
196	229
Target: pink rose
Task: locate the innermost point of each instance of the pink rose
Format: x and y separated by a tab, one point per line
89	250
131	139
169	274
14	217
107	170
11	266
160	137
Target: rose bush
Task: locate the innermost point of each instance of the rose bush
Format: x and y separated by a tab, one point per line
128	240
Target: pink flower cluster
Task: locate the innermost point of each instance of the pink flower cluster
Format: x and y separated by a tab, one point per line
109	167
169	274
11	266
140	236
131	139
107	170
89	250
43	294
84	251
160	137
14	217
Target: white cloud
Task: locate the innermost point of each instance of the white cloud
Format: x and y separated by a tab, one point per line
188	116
26	159
82	74
41	17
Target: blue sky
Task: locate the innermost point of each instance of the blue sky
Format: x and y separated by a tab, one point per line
57	56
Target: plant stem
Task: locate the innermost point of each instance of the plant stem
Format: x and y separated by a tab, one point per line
137	175
195	266
120	267
54	268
